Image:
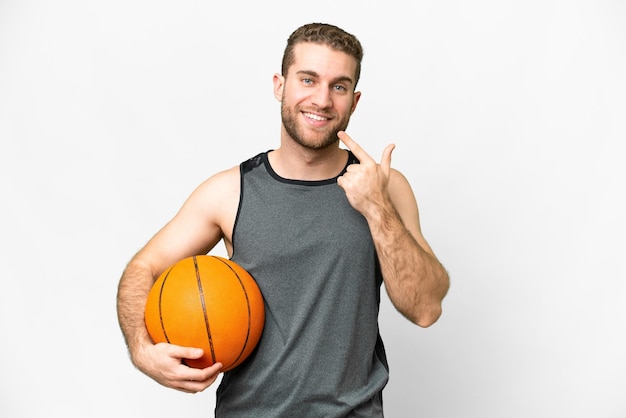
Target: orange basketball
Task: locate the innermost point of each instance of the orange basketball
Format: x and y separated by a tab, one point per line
207	302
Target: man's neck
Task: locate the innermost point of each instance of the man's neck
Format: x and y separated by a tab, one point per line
294	162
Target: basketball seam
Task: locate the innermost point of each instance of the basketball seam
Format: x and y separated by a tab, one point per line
245	292
204	311
160	309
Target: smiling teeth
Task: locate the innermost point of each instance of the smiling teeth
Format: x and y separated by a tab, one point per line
315	117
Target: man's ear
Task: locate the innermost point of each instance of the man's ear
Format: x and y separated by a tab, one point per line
357	96
279	84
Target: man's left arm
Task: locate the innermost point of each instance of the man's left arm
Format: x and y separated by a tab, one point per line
415	280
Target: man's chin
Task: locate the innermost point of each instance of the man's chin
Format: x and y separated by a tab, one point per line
320	145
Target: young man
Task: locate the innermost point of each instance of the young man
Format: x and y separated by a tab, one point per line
320	228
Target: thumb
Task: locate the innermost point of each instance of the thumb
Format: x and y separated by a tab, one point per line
185	352
385	161
194	353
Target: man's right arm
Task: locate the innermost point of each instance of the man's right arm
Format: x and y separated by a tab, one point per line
204	219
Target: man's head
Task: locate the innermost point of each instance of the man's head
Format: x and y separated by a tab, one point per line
324	34
317	87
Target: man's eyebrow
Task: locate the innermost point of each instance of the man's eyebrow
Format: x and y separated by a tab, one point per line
339	79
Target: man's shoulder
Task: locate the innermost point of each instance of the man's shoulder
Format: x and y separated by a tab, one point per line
229	179
253	162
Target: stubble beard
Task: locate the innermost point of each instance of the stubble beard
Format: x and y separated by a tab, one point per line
317	140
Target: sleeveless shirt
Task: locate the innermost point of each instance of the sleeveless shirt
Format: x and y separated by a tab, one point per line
312	255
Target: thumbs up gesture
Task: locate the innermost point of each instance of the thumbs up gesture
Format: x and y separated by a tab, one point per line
365	184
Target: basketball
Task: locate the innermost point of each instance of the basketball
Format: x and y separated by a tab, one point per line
207	302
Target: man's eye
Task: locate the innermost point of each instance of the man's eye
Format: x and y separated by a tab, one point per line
340	88
307	81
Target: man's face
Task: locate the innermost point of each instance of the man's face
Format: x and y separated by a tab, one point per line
317	95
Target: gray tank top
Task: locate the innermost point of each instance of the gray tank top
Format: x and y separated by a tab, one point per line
312	255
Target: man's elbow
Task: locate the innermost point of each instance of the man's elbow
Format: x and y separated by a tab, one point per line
427	317
430	309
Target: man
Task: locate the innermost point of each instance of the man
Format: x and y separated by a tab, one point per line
320	228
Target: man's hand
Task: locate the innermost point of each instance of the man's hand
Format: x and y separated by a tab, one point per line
365	184
164	363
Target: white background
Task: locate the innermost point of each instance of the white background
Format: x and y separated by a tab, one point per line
509	119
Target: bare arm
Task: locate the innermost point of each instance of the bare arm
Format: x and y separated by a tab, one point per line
415	280
203	220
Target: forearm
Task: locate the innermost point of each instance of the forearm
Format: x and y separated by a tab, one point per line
161	362
133	291
415	280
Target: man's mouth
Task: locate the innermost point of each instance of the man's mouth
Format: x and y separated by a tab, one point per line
315	117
